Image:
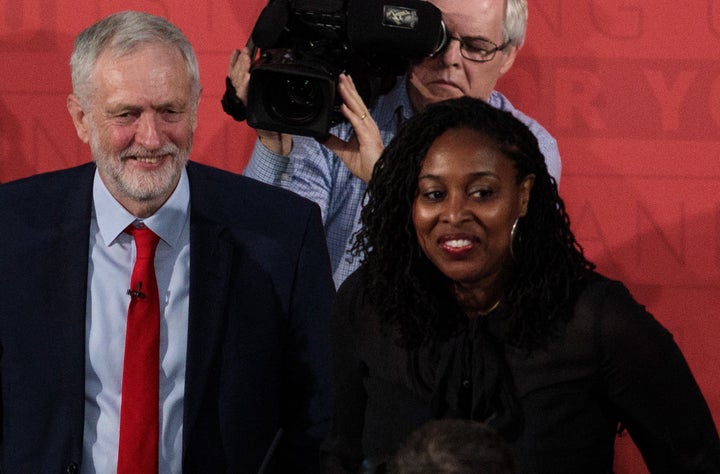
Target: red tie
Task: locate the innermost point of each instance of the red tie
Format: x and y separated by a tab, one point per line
139	410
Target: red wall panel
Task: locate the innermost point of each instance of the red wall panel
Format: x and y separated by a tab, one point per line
630	88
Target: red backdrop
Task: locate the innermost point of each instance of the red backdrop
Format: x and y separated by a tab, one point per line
630	88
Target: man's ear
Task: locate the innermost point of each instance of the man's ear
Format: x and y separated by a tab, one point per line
508	58
525	189
79	118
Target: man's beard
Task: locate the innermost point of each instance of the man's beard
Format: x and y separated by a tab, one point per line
141	186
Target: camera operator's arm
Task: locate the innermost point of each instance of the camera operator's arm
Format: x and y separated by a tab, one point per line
239	74
365	145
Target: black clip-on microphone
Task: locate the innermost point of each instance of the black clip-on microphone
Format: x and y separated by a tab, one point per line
136	293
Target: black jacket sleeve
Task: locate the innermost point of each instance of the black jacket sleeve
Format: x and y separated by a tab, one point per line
653	389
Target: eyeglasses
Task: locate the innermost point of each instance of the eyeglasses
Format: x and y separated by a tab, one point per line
478	50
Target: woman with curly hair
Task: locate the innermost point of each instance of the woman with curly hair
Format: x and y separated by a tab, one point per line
475	301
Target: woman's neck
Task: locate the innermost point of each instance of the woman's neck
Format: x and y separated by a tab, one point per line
477	302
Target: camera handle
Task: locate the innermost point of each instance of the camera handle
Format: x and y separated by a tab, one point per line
231	104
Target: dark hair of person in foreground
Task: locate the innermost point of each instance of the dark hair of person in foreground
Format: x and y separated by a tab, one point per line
408	290
454	447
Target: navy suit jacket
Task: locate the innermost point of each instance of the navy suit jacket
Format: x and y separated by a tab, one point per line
258	357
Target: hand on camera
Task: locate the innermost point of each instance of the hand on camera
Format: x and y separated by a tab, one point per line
239	78
239	72
365	146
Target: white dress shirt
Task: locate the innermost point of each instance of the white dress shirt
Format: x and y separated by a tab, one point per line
112	256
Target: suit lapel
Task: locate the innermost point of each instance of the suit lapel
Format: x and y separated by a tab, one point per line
211	256
67	271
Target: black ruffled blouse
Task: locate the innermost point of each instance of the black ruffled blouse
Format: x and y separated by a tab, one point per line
611	365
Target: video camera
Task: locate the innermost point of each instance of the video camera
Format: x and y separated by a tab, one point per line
304	45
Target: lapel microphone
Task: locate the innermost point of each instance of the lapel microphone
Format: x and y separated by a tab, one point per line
136	293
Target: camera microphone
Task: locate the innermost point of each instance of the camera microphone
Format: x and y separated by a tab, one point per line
411	29
271	24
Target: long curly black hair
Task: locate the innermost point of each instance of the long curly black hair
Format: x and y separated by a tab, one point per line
409	292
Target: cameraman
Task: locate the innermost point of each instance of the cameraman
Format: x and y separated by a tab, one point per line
484	36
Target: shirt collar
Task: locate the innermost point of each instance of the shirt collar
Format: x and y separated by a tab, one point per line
167	222
395	103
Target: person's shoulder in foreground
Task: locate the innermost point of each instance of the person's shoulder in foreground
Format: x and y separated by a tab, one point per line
453	446
236	194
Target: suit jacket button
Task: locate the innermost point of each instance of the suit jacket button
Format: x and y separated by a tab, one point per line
71	468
